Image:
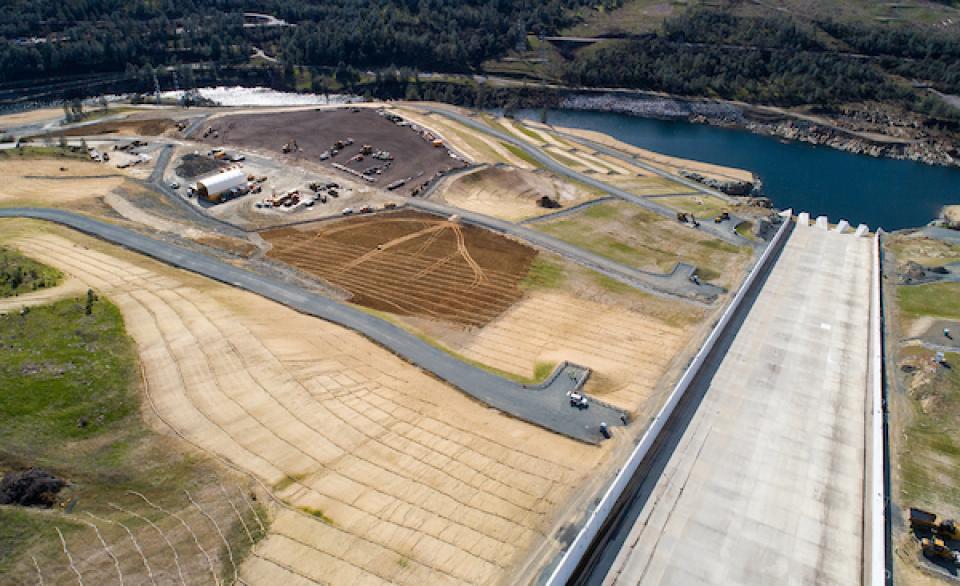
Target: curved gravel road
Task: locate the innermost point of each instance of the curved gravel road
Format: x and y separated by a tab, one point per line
544	405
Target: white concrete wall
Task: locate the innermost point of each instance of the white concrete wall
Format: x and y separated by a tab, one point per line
875	498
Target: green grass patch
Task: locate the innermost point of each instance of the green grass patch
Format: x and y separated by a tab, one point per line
21	530
703	207
70	403
43	152
930	456
935	299
62	367
521	154
530	133
19	274
745	229
612	285
319	514
601	212
542	370
543	274
723	246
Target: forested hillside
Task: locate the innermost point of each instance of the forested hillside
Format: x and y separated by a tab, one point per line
50	37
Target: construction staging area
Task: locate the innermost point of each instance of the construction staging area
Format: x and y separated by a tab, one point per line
766	483
358	135
433	374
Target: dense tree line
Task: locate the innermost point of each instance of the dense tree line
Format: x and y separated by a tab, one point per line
49	37
722	28
778	61
782	78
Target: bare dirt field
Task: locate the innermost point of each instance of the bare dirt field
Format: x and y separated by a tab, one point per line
42	182
411	264
315	131
509	193
144	127
30	117
386	475
629	352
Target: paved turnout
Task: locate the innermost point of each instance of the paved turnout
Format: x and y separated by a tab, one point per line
765	484
545	405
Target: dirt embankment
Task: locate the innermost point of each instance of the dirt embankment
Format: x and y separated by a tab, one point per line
508	193
149	127
411	264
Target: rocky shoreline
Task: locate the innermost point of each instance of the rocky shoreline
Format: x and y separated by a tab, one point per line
928	150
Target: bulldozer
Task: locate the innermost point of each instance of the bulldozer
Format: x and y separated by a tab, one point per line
937	549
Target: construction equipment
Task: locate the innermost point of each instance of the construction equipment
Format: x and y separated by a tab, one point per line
291	146
949	530
366	149
721	217
937	549
921	520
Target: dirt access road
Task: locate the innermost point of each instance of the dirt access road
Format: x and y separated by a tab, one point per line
385	474
316	130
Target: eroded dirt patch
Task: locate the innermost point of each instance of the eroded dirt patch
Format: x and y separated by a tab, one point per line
411	264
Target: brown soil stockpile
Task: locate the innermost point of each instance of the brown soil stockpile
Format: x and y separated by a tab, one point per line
192	166
152	127
30	488
411	264
315	131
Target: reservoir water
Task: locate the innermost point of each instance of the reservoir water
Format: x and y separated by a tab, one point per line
821	180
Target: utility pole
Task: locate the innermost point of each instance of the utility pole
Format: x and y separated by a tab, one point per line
543	76
156	87
176	86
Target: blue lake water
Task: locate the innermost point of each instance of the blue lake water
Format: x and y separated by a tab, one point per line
823	181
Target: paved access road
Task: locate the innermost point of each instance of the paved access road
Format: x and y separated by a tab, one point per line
763	484
676	282
720	231
545	405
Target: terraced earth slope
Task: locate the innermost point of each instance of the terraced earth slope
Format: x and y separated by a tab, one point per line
382	474
411	264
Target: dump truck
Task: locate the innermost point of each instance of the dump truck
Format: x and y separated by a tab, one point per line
937	549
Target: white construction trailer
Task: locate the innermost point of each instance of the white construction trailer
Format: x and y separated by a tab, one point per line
212	187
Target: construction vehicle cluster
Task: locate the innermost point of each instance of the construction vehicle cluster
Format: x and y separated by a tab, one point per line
936	536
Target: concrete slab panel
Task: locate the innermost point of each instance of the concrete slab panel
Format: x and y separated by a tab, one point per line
766	484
